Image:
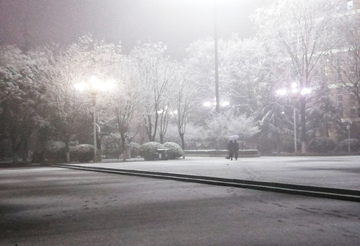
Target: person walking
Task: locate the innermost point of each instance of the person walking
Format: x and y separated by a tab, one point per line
235	149
230	148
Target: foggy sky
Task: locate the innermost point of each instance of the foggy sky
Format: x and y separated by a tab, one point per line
176	23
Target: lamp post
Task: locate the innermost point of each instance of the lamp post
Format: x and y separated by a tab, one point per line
295	135
294	92
94	91
209	104
94	87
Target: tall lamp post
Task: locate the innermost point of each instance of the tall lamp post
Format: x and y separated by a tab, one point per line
94	87
94	91
294	92
295	130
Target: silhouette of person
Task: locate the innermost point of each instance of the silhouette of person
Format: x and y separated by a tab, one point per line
233	148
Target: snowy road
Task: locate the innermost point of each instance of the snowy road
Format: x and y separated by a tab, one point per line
54	206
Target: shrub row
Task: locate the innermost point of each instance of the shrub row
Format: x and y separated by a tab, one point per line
56	150
327	145
149	151
223	152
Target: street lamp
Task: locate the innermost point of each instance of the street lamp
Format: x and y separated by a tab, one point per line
294	92
94	87
216	103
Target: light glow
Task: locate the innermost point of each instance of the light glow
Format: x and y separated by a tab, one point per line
95	84
281	92
207	104
294	91
305	91
80	86
108	85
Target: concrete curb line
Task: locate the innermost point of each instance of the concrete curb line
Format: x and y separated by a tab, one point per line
321	192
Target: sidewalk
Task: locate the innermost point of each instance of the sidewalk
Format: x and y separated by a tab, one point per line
341	172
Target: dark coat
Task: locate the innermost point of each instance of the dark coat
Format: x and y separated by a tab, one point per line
233	147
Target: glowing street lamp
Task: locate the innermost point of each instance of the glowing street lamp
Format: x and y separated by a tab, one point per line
216	103
294	92
94	87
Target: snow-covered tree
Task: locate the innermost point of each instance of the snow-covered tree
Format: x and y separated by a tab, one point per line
154	74
185	95
247	73
21	100
298	31
60	69
226	124
121	104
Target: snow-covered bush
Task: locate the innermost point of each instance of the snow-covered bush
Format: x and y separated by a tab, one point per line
174	150
344	145
110	145
55	150
321	145
135	149
149	150
82	152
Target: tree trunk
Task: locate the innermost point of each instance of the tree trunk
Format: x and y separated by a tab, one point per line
14	148
68	156
161	138
123	147
182	143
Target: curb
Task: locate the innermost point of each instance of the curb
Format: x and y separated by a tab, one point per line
313	191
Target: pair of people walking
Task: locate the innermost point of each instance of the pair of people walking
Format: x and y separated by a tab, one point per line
233	148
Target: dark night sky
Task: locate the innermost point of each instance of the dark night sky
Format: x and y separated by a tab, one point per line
176	23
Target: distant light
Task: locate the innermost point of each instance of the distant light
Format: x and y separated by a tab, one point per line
305	91
80	86
294	91
108	85
207	104
225	104
95	84
281	92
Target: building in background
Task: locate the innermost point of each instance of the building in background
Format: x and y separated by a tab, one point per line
344	70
